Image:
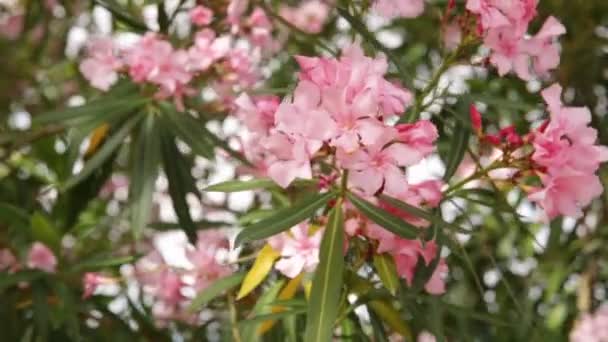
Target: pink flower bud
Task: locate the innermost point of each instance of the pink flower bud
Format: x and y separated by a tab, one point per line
201	16
42	258
475	118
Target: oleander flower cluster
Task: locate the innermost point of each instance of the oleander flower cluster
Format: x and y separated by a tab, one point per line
567	158
167	285
341	114
504	27
178	72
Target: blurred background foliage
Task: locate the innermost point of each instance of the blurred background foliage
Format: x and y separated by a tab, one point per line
519	281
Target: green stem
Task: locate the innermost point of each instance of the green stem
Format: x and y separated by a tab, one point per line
344	183
233	319
480	173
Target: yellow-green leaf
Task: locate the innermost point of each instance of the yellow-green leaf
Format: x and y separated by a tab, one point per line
391	317
261	267
387	271
288	292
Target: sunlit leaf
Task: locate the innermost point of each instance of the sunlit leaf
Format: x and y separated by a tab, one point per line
214	290
387	271
259	271
145	160
384	218
284	219
109	146
327	282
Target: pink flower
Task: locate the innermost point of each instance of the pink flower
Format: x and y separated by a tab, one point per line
12	26
206	50
235	10
419	137
567	152
543	47
201	15
505	24
500	13
204	258
170	287
378	165
309	16
42	258
8	261
452	36
436	284
91	281
100	67
426	336
566	192
299	250
257	113
591	327
399	8
289	157
261	28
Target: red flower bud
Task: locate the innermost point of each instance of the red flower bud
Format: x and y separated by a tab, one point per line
475	118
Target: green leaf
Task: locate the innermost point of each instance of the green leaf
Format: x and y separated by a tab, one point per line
145	159
102	261
202	224
385	310
255	215
377	327
244	185
43	231
384	218
271	316
13	216
387	271
459	144
190	131
180	184
214	290
122	15
434	219
327	282
238	185
249	332
111	144
285	218
97	110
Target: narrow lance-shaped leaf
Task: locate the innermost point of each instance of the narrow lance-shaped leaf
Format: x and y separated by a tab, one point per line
189	130
42	230
244	185
384	218
240	185
180	184
262	307
387	271
385	310
214	290
103	153
145	159
284	219
327	281
97	109
410	209
460	139
259	271
287	293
